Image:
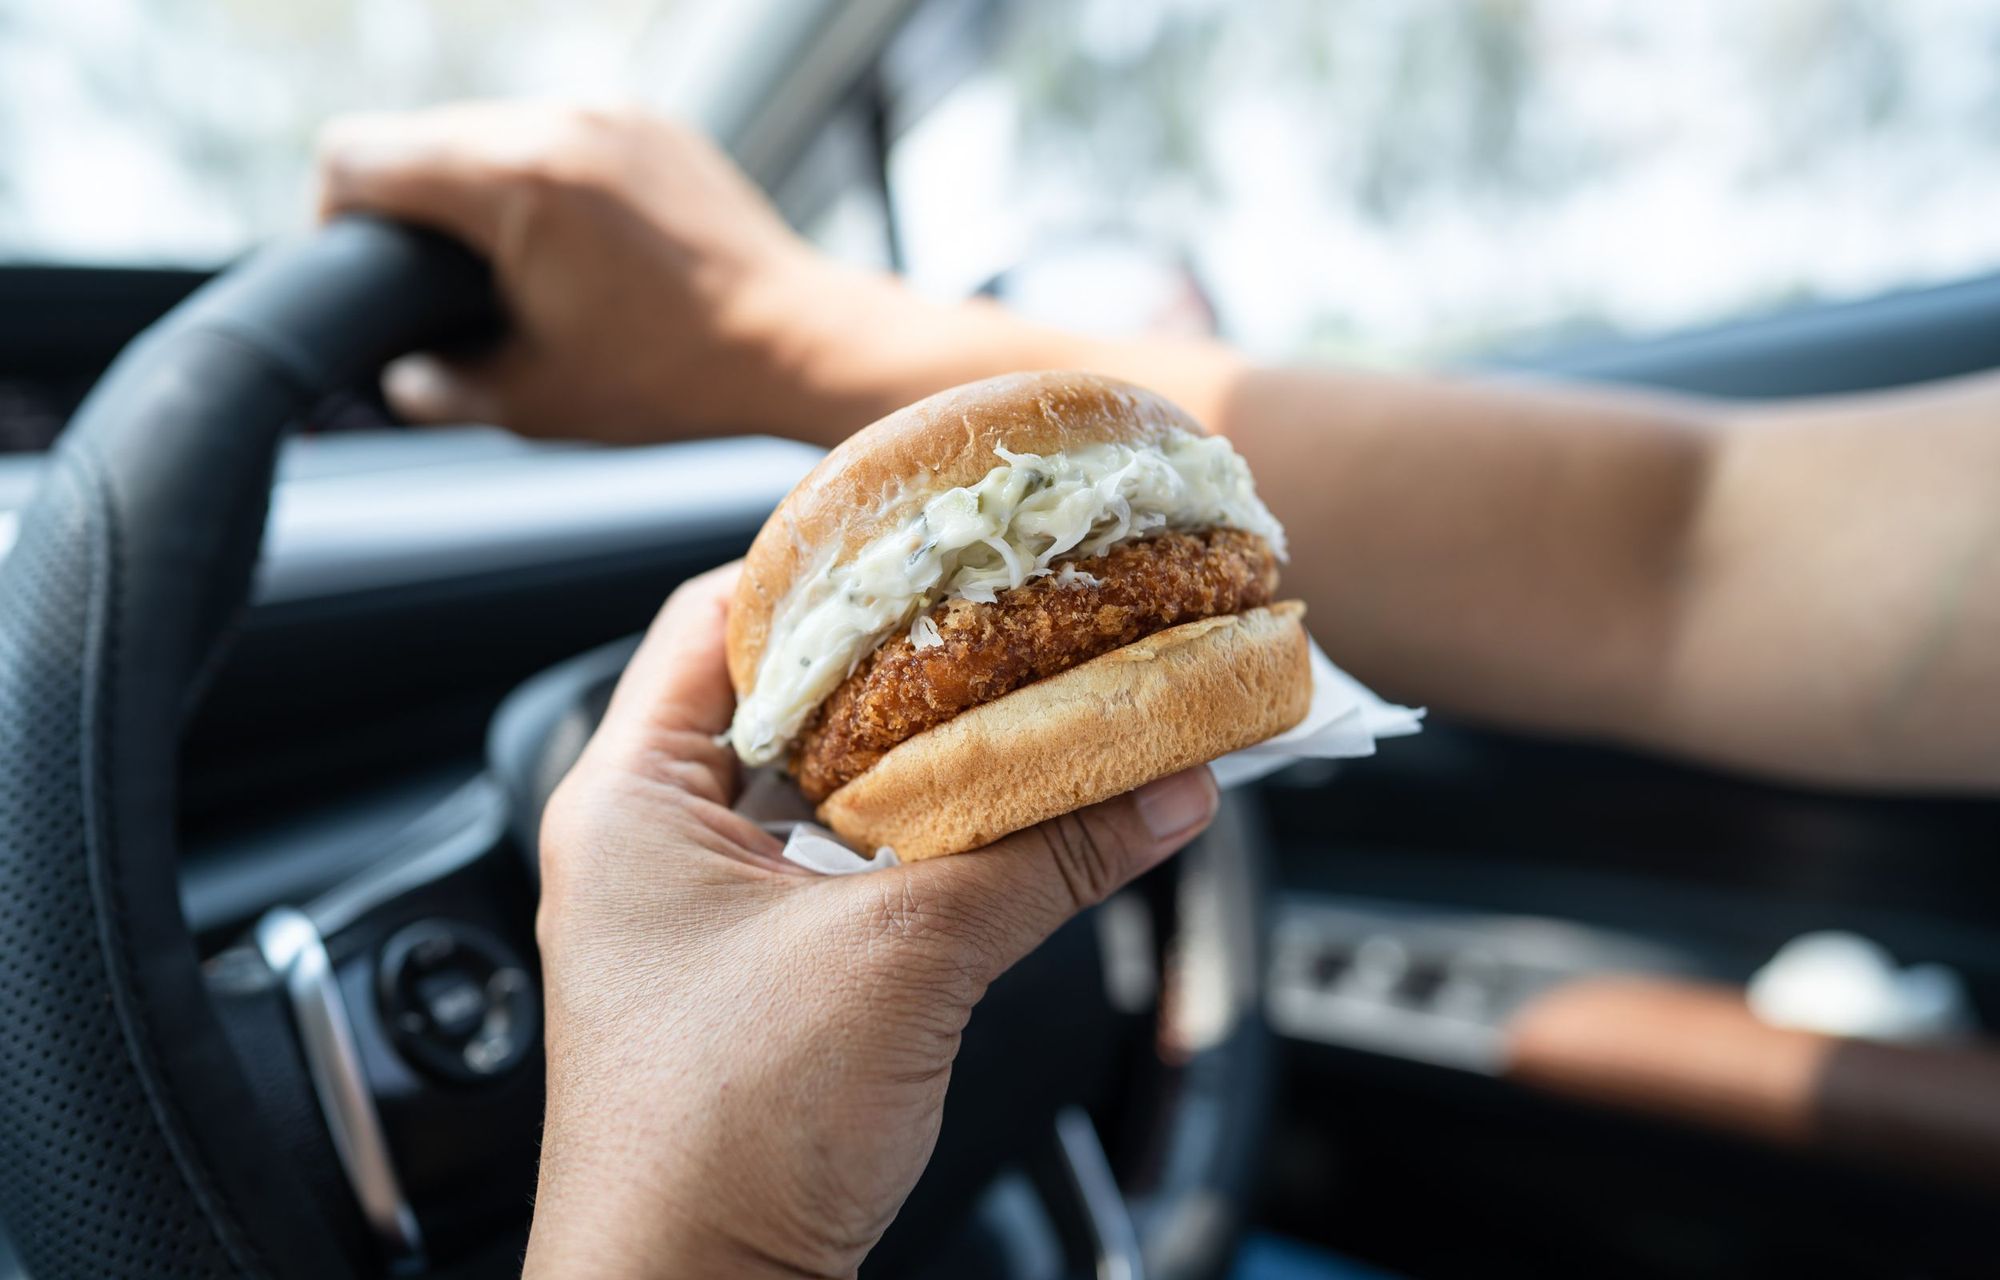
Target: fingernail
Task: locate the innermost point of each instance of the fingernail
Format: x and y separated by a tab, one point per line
1177	803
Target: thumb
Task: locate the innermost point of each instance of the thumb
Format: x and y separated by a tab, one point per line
991	907
431	389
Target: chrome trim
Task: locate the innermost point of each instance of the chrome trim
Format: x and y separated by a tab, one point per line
1343	971
1097	1194
474	820
293	947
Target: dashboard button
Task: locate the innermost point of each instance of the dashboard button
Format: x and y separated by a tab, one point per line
460	1006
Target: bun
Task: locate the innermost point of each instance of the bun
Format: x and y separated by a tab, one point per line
1174	699
878	477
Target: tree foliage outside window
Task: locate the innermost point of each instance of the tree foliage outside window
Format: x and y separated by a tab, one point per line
1401	180
1376	180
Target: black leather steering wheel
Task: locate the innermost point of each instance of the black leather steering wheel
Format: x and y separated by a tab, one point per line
159	1117
125	1140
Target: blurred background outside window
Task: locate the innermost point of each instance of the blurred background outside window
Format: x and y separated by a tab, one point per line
1383	181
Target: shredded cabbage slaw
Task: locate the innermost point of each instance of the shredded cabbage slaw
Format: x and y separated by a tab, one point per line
974	542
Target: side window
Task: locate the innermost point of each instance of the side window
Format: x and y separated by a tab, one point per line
1389	183
834	193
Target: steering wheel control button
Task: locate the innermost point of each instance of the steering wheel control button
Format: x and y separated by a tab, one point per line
454	1003
459	1005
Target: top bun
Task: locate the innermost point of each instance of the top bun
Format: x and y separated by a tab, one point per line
885	472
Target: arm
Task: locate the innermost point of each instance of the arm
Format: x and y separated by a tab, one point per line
1798	589
1809	589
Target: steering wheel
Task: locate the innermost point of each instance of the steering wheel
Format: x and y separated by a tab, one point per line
355	1088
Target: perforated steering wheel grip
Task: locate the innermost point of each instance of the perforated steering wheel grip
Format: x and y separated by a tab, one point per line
131	1140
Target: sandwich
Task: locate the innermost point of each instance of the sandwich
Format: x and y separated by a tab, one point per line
1006	602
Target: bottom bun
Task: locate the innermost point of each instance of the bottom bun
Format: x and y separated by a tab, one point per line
1177	698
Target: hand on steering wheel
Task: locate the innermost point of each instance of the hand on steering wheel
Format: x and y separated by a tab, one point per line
747	1063
653	292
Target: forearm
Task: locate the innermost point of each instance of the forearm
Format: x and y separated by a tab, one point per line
1508	551
1807	589
1844	592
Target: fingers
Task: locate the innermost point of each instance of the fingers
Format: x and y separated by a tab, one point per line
430	389
503	386
432	167
446	168
991	907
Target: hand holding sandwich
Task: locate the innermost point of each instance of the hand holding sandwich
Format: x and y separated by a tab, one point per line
747	1063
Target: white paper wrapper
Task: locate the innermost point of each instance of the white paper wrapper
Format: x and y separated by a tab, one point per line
1346	719
816	849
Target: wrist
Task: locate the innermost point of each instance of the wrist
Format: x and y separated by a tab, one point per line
851	345
860	344
613	1229
555	1254
618	1199
917	347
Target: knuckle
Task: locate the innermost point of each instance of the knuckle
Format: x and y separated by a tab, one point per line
898	912
687	763
575	137
617	124
584	148
946	955
337	135
1087	856
543	172
329	144
686	767
556	151
587	120
333	158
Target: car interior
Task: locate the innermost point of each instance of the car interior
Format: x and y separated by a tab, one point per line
1484	1003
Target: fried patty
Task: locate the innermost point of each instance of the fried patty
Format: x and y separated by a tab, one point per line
1028	633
